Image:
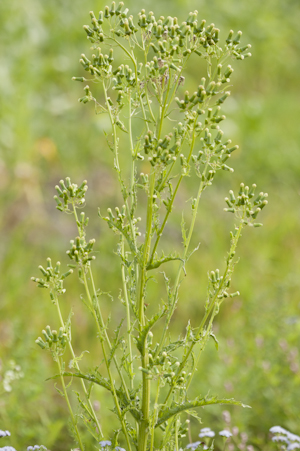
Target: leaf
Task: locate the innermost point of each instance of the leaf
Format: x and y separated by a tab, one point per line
183	231
108	143
156	263
140	340
76	359
215	340
116	342
99	380
175	408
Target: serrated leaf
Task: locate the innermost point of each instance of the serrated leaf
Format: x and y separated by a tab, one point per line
175	408
116	342
156	263
140	340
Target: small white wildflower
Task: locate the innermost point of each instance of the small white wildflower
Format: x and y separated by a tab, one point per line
280	438
193	445
207	434
293	437
225	433
37	448
117	448
205	430
293	446
4	433
105	443
278	430
7	448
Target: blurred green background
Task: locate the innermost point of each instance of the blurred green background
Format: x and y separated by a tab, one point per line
45	135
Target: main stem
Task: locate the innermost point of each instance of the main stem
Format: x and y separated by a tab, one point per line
144	426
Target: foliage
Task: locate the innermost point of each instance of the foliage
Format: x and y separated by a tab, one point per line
154	395
39	141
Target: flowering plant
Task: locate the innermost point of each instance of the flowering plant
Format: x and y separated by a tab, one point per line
168	134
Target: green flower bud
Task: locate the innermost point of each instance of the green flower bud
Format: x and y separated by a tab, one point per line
230	210
66	274
106	12
78	79
40	343
88	30
229	38
112	10
143	21
201	27
125	12
100	19
227	168
252	190
228	71
232	149
119	8
237	38
223	98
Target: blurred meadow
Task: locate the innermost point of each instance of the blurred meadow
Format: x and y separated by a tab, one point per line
46	135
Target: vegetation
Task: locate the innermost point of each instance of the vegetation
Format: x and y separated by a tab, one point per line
41	142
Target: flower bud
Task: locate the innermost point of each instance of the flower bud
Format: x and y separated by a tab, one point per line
100	19
39	341
237	38
88	30
229	38
119	8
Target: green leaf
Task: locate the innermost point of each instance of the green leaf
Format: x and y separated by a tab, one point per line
116	342
96	379
215	340
140	340
76	359
175	408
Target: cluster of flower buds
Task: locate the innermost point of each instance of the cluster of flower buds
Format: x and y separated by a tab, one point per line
119	224
56	341
125	77
160	151
80	251
166	368
99	66
245	206
218	285
213	151
232	44
170	41
88	95
52	278
202	95
70	193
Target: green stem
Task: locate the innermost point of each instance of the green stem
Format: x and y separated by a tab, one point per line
69	405
159	234
93	414
103	336
213	305
154	415
206	316
127	316
177	281
146	92
144	426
